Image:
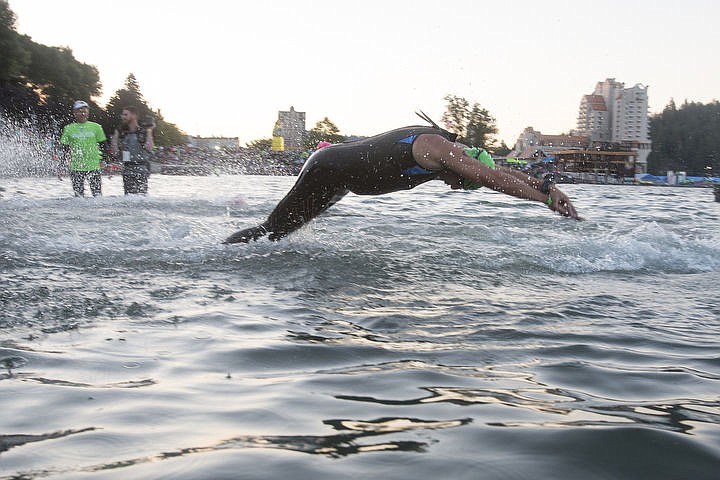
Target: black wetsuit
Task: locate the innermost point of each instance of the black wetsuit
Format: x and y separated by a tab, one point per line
371	166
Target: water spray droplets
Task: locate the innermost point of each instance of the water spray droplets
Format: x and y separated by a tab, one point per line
26	150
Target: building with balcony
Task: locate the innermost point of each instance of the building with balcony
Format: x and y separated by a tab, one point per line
615	115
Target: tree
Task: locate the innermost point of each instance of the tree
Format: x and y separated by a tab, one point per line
166	133
14	56
128	95
473	124
39	83
686	139
324	130
502	150
58	76
262	144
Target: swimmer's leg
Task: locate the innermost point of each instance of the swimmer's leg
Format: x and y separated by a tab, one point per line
319	186
298	207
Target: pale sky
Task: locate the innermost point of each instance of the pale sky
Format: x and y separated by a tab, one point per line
223	67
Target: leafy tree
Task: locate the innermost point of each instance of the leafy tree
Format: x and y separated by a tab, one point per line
324	130
38	84
473	124
262	144
168	134
58	76
14	55
37	80
327	127
686	139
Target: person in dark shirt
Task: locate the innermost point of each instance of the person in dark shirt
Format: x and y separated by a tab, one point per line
134	143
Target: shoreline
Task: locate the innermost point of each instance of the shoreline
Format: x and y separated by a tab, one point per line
205	171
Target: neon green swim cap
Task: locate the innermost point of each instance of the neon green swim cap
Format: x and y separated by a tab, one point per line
484	157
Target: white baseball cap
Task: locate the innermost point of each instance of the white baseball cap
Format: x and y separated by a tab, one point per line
80	104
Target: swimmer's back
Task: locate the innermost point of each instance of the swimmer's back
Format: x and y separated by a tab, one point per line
374	165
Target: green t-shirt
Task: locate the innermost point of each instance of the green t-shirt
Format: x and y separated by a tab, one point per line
83	139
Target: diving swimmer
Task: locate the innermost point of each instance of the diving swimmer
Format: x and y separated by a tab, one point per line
400	159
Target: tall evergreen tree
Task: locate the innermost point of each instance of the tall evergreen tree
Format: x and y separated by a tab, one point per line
128	95
166	133
686	139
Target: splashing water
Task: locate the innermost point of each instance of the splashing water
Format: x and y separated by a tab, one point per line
26	150
422	334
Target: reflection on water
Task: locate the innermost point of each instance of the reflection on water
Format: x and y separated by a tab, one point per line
422	334
9	441
583	410
29	377
333	446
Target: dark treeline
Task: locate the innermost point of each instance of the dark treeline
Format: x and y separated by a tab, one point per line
37	81
686	139
38	85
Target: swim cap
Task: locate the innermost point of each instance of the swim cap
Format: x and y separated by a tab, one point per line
485	158
480	154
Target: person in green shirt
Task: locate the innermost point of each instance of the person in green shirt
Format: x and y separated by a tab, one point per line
82	139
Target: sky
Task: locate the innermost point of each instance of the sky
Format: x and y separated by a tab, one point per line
225	67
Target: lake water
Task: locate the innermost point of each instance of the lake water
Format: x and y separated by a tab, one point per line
422	334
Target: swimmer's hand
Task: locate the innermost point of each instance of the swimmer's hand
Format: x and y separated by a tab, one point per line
561	203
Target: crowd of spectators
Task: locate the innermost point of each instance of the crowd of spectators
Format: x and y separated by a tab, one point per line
27	150
193	160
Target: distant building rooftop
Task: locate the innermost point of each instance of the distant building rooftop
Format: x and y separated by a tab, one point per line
596	102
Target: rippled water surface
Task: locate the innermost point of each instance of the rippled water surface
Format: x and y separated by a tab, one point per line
422	334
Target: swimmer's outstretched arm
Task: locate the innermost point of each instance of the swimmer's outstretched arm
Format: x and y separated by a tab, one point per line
536	183
434	151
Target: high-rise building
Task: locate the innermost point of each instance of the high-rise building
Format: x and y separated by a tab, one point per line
617	115
594	118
